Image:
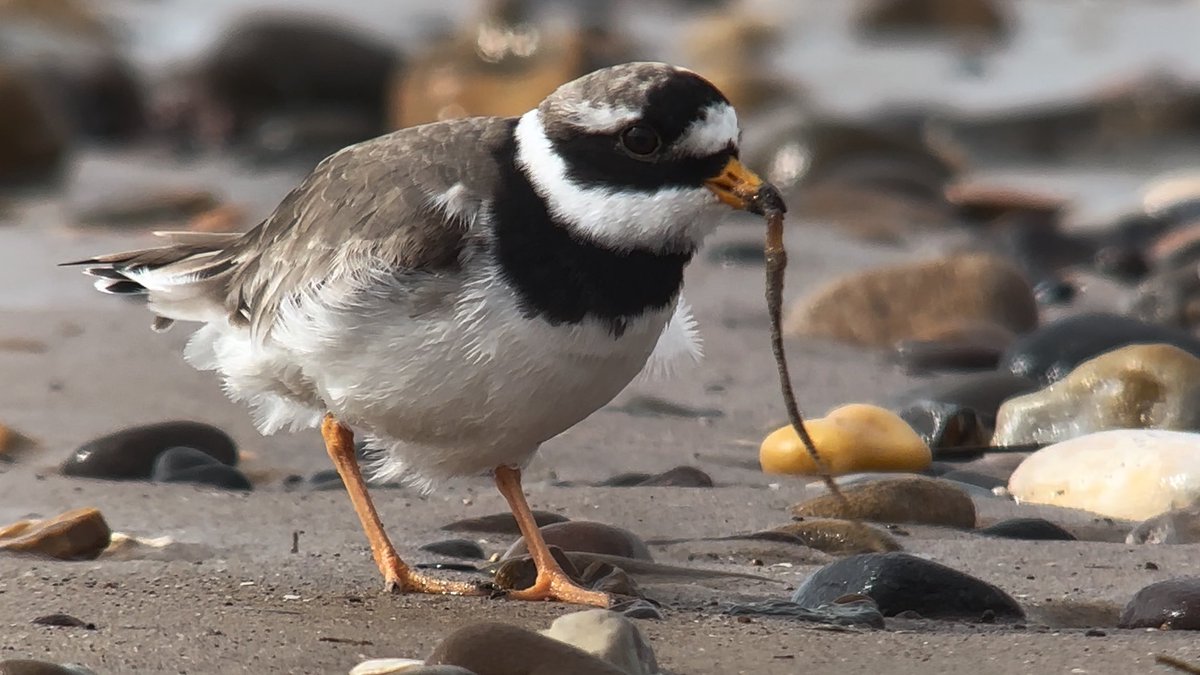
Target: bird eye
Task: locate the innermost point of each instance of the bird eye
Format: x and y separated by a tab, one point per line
640	140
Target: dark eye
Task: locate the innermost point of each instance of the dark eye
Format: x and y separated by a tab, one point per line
640	140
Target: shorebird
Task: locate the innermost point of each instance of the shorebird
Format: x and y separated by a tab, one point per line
462	291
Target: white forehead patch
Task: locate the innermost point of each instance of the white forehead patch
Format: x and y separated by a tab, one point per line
600	118
620	219
716	130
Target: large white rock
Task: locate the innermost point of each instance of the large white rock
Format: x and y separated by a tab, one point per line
1131	474
608	635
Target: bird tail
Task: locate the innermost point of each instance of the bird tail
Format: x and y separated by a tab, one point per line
184	280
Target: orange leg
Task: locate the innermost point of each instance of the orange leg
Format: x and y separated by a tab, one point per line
552	583
398	577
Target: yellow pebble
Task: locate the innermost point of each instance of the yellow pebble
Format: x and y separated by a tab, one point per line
853	438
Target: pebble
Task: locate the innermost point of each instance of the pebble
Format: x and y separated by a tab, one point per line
502	523
934	18
1150	386
409	666
32	667
1177	526
1029	529
958	410
1173	605
1054	350
14	444
851	438
945	425
839	537
1131	474
860	611
588	537
1169	297
129	454
903	500
923	356
900	582
882	306
680	476
456	548
492	648
212	475
33	142
653	406
608	636
81	534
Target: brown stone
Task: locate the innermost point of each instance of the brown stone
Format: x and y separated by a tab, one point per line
33	140
949	17
80	534
840	537
901	500
494	648
882	306
588	537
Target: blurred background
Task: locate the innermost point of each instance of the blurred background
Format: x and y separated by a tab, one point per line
1072	122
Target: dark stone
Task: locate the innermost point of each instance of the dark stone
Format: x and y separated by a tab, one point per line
215	475
327	479
589	537
980	393
502	523
1126	263
680	476
1050	352
63	621
1032	529
920	356
456	548
974	478
174	460
1053	292
1170	296
130	454
1173	604
945	425
652	406
858	613
899	582
32	667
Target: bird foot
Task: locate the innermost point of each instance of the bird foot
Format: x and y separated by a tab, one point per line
399	578
557	586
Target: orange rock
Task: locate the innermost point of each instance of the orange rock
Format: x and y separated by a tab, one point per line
852	438
80	534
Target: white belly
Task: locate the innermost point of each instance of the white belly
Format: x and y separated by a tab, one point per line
458	393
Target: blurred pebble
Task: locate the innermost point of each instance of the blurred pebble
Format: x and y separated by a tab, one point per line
904	500
1030	529
80	534
502	523
1171	605
1177	526
653	406
212	475
945	425
921	356
173	460
456	548
680	476
900	582
1050	352
608	636
978	19
839	537
32	667
492	648
850	438
33	140
129	454
882	306
1054	292
861	611
1131	474
146	206
1150	386
959	409
14	444
587	536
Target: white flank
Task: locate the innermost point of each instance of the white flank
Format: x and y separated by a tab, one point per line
619	219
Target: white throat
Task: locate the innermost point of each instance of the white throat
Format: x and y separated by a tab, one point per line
615	218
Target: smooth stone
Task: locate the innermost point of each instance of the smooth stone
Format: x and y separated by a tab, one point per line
1144	386
1029	529
1169	297
1051	352
1173	604
588	537
521	572
32	667
1178	526
456	548
491	648
903	500
14	444
502	523
874	477
851	438
900	582
81	534
212	475
174	460
858	612
1130	474
922	356
945	425
606	635
129	454
1054	292
680	476
839	537
883	306
944	18
981	393
409	666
